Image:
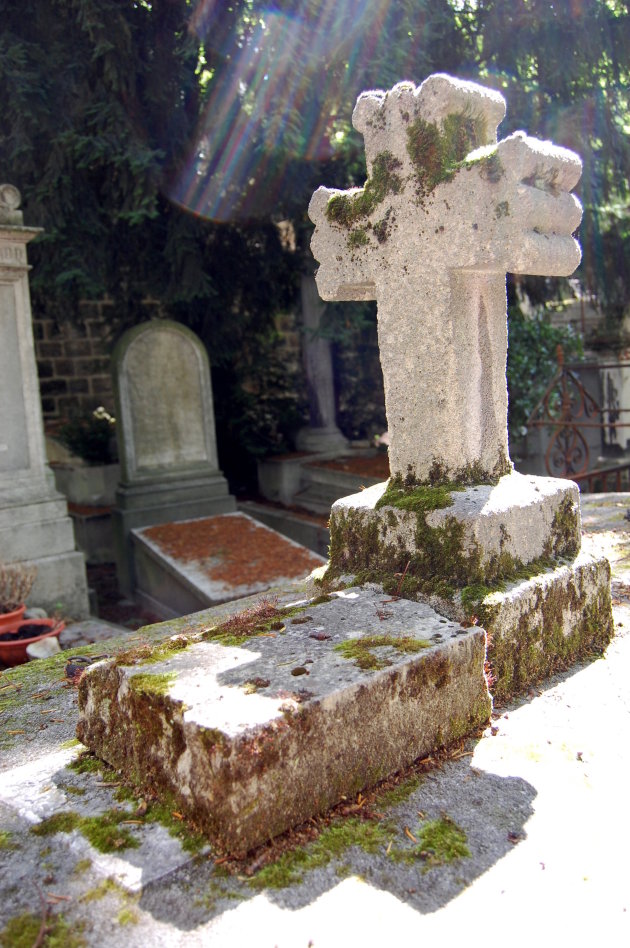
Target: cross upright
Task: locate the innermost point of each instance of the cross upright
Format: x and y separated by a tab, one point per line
445	212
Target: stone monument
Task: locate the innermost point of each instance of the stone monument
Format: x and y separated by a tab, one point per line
167	442
445	212
34	524
322	435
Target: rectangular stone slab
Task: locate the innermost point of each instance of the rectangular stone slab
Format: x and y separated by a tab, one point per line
192	564
252	740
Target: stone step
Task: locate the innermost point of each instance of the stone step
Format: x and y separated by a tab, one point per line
315	482
331	697
322	486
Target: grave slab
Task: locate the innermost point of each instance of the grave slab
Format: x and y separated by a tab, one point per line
192	564
253	738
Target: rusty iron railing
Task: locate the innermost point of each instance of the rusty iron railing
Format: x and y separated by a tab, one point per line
605	479
567	408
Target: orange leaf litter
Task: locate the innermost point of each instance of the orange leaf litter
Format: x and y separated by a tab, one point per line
248	552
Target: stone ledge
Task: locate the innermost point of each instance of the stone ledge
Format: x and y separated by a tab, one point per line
288	719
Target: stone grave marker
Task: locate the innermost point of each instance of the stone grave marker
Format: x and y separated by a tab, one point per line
446	210
34	524
459	564
167	441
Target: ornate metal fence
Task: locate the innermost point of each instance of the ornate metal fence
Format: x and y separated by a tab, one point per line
567	409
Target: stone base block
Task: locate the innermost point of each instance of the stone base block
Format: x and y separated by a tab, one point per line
540	625
39	533
61	585
318	702
318	440
475	535
89	484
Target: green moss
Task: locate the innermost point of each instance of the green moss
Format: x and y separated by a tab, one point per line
103	832
473	595
6	841
161	812
82	866
361	650
106	834
157	812
462	725
289	869
439	841
438	153
358	238
88	763
67	745
23	930
72	790
400	793
538	644
63	822
152	684
320	600
421	498
106	887
150	654
128	916
348	209
564	536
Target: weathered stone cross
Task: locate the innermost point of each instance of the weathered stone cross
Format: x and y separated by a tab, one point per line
444	213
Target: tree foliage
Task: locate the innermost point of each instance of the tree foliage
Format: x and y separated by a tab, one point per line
565	71
160	142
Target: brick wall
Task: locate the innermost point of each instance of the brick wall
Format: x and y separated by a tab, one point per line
73	360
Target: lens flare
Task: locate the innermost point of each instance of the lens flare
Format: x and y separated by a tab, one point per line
275	104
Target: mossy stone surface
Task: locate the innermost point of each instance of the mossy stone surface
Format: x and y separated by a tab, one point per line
348	726
445	537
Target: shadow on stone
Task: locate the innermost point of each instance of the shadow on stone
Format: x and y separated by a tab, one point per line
491	812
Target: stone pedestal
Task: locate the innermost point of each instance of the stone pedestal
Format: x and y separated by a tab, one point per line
34	523
167	441
504	557
456	537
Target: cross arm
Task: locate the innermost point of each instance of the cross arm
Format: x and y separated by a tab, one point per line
346	275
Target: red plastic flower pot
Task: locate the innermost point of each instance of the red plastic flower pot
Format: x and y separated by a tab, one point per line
9	620
13	643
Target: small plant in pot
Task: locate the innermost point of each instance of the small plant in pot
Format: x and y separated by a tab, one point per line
16	632
16	582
